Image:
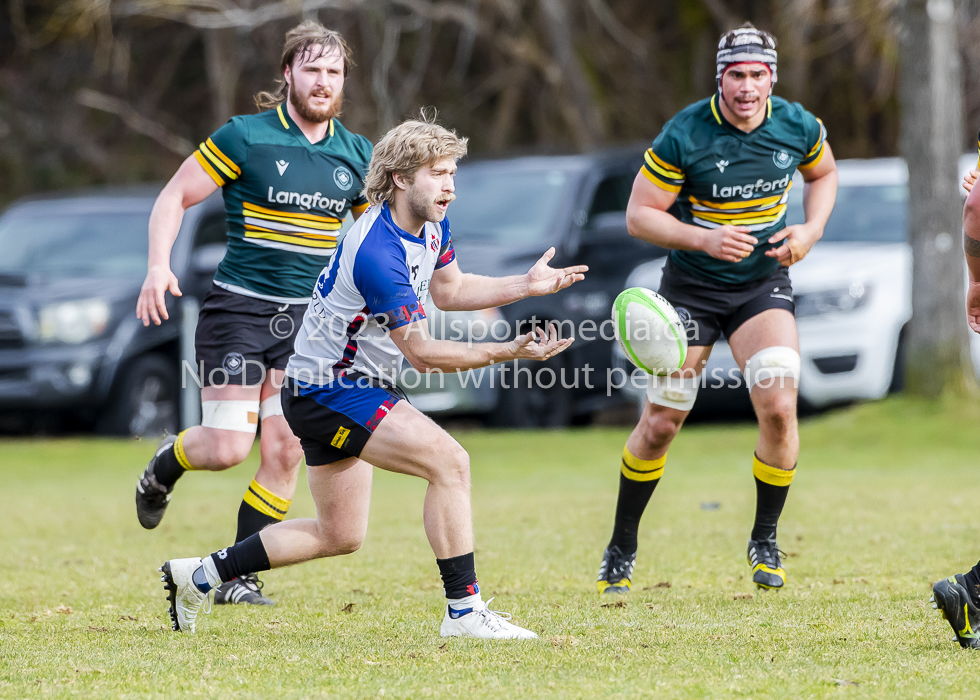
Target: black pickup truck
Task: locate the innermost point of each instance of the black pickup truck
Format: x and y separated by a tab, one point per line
71	347
507	213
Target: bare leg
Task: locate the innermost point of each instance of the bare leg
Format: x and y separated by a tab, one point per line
342	492
281	453
406	442
775	406
658	425
213	449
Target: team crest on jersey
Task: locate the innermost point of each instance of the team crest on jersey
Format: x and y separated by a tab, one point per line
434	245
343	178
782	159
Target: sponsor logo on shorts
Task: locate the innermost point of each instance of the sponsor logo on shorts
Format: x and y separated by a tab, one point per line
343	178
233	363
340	438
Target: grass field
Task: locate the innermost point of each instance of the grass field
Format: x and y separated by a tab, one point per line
884	503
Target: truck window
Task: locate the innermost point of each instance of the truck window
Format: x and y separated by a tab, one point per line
612	194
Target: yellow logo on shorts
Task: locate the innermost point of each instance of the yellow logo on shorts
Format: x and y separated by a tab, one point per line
340	437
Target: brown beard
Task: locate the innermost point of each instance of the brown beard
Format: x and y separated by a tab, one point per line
422	207
315	116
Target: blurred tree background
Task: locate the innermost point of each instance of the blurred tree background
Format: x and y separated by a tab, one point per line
108	91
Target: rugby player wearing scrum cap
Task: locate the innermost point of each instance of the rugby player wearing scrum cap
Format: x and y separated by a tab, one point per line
727	162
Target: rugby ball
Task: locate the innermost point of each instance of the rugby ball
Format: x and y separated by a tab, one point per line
649	331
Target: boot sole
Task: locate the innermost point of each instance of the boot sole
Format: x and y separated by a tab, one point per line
171	588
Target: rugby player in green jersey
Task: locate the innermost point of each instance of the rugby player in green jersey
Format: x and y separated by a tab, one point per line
289	177
727	163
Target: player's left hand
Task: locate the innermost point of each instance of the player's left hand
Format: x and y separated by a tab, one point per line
797	242
973	306
542	279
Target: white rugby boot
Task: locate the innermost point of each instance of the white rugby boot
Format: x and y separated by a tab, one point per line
184	596
483	623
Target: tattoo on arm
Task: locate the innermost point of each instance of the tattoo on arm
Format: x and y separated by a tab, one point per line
972	247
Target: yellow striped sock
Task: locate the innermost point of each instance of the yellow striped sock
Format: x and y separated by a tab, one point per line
772	475
179	452
264	501
636	469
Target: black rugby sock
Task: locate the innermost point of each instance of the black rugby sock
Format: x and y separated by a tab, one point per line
260	508
638	478
459	576
248	557
771	488
171	463
167	469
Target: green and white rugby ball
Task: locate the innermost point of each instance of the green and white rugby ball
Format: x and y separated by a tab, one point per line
649	331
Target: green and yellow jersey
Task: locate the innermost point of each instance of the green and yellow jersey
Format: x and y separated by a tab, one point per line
285	199
723	175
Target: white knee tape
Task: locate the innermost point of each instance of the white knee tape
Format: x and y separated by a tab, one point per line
673	392
778	366
242	416
272	406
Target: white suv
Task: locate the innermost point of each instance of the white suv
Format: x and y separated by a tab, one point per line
853	291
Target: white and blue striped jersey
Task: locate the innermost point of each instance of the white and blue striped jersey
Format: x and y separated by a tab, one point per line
377	281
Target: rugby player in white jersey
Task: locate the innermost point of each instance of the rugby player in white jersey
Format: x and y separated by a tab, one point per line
339	397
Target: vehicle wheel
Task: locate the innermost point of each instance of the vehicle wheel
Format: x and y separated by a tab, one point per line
146	400
534	406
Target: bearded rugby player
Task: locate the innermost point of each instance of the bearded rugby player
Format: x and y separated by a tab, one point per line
289	177
958	597
728	164
366	316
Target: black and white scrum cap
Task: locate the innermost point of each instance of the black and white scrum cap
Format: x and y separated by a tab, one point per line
746	45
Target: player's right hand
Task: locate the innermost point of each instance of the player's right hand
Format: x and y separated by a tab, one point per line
152	302
973	306
526	347
970	179
731	243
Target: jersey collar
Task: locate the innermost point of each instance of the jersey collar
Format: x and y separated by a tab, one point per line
289	125
386	215
716	112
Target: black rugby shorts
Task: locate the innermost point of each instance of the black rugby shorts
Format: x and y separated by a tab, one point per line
709	309
237	336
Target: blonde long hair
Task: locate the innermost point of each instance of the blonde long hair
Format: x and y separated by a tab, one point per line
404	150
301	40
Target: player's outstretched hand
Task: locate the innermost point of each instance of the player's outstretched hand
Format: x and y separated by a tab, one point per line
542	279
152	302
731	243
973	306
526	347
796	244
970	179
